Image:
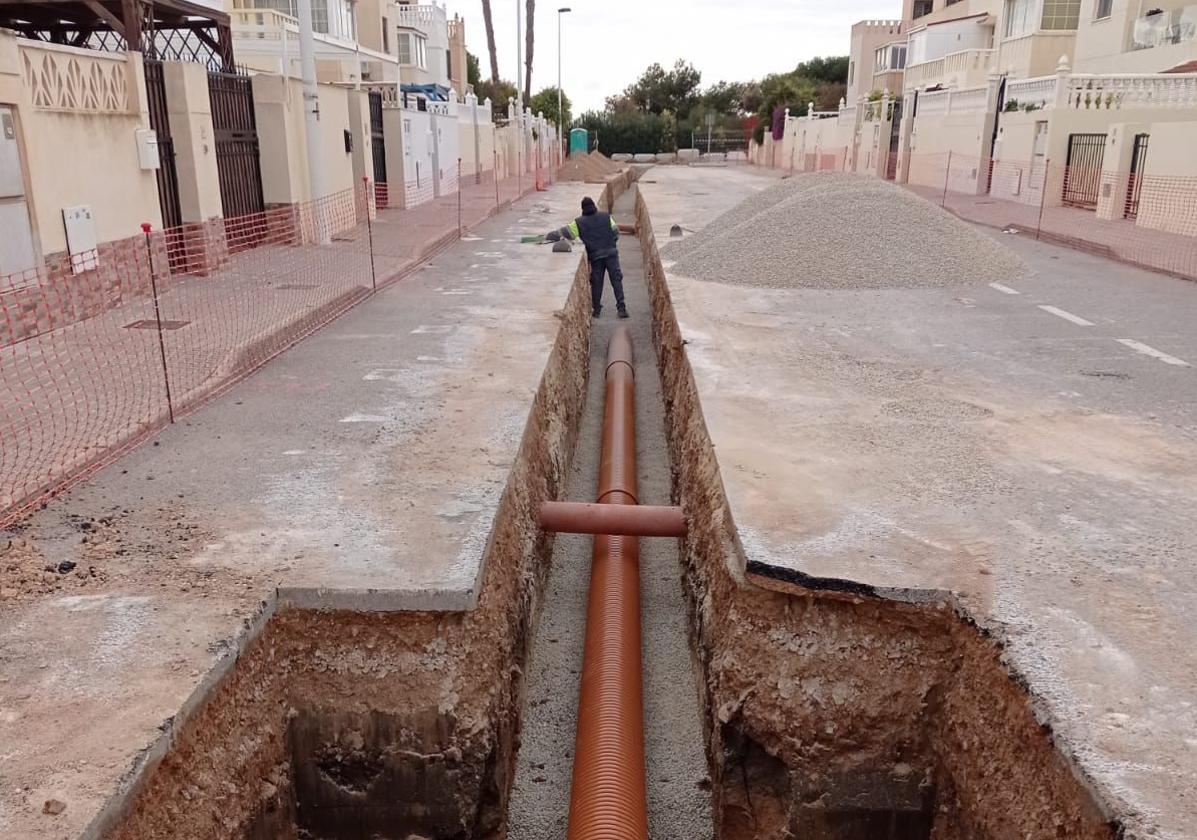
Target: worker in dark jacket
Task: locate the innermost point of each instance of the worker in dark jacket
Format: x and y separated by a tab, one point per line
600	235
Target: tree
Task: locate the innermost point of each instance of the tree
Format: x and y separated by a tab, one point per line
628	131
498	95
545	103
490	42
830	69
529	44
723	98
473	71
829	94
659	90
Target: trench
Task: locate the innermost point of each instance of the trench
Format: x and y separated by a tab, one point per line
776	706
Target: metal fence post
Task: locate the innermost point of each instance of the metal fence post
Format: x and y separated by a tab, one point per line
946	174
459	198
369	231
496	171
1047	168
149	250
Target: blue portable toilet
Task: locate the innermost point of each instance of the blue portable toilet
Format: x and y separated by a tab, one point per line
579	139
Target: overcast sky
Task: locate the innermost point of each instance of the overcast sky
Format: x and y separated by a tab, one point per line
607	44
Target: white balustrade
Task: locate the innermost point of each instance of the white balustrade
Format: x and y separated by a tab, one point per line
1118	92
1032	94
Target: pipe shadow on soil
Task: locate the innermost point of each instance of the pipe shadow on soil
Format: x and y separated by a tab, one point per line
827	715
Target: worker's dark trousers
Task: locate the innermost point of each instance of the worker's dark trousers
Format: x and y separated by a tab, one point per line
599	267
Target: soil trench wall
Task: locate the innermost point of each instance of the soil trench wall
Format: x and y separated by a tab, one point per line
831	712
346	723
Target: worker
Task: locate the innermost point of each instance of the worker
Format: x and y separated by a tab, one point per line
600	235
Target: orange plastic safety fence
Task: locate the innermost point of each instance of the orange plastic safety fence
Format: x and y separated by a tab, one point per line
98	350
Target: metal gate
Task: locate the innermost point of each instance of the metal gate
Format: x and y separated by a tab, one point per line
1134	185
1082	177
168	179
237	164
379	149
895	129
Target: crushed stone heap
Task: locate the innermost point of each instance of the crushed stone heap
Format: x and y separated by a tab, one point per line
838	231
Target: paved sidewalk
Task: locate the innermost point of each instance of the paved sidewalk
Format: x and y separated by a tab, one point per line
76	396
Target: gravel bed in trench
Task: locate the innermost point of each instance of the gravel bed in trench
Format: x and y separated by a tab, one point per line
837	231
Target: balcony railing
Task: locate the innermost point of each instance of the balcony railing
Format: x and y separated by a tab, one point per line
1092	92
924	74
427	18
1175	26
957	69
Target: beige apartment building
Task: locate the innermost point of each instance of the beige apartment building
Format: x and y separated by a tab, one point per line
1089	103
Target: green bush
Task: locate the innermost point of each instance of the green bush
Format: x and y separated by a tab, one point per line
631	132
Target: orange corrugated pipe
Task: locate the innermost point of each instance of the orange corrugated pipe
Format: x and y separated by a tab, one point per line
632	520
607	799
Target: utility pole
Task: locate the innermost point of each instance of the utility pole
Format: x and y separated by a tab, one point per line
519	67
311	112
561	127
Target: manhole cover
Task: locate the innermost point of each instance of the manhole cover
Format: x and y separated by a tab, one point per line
147	324
296	286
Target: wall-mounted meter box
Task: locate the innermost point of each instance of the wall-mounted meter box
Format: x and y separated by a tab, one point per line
81	238
147	148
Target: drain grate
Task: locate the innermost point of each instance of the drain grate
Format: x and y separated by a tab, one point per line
148	324
1106	374
296	286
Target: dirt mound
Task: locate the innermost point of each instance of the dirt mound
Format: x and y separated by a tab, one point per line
834	231
592	168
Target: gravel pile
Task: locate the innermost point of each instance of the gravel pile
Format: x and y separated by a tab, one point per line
836	231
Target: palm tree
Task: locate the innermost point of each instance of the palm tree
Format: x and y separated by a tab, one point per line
490	42
529	41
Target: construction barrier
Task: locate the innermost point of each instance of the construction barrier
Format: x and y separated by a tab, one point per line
101	349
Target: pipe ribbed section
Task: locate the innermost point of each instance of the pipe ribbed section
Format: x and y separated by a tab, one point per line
607	794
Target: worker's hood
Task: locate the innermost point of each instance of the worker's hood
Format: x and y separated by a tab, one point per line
588	208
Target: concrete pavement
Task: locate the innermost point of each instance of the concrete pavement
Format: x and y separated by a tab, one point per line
1032	449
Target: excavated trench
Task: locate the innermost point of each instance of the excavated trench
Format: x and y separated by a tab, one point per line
776	706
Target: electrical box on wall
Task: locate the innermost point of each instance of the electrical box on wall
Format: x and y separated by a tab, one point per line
81	238
147	148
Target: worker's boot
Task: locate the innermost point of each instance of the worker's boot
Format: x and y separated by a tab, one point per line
596	312
623	312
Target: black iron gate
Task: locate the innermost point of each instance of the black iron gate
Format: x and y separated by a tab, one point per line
240	171
895	130
1134	185
1082	176
379	149
168	179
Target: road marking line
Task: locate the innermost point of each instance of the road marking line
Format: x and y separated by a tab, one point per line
1148	350
1067	316
433	329
364	418
1006	290
456	292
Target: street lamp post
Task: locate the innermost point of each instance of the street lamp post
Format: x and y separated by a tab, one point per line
560	114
